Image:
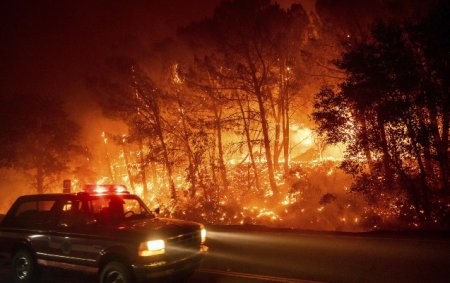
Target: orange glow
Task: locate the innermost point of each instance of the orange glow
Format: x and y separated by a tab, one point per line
103	189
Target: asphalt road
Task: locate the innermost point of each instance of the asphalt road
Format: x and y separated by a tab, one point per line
238	255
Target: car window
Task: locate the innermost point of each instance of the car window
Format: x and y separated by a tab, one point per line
45	205
25	207
71	213
133	207
33	213
116	208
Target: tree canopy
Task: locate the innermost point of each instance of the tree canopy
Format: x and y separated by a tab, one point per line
38	138
392	112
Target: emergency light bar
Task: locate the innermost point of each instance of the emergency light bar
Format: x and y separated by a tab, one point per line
105	189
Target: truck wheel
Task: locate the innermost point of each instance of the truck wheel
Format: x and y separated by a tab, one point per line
24	267
116	272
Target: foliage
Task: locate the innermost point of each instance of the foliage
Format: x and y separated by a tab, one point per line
392	113
37	138
212	120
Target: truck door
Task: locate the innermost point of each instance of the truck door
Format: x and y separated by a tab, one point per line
71	241
29	221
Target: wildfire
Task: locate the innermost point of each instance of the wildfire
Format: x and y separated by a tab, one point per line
105	138
294	209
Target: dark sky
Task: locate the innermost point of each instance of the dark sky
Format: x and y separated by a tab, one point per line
47	46
50	47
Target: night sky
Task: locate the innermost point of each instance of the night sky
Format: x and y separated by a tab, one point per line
48	47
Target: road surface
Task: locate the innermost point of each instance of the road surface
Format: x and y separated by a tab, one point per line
264	255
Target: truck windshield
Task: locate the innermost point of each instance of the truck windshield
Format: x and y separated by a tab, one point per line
116	208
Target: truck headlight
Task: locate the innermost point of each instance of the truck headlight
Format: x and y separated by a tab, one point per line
151	248
203	235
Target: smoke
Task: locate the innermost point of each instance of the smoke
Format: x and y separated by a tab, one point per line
13	184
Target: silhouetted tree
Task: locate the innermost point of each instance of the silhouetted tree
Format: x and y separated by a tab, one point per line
37	138
392	110
128	93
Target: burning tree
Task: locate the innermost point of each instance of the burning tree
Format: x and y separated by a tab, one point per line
129	94
232	90
218	113
250	47
392	113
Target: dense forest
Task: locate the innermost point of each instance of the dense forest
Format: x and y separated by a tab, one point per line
316	119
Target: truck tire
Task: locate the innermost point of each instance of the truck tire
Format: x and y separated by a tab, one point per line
24	267
116	272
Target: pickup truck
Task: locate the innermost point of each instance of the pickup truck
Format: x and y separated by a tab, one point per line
104	230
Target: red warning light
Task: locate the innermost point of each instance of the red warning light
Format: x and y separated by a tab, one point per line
105	189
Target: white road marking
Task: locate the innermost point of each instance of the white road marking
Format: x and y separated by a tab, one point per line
254	276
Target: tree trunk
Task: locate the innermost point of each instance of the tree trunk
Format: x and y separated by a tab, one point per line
127	165
110	166
192	171
365	142
427	146
428	162
153	174
276	147
167	163
212	163
386	156
249	144
142	167
410	187
222	168
441	142
266	139
286	133
445	148
276	110
422	173
168	166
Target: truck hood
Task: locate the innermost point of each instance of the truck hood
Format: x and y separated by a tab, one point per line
158	227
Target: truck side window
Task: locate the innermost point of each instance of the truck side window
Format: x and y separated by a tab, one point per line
73	214
25	207
33	213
